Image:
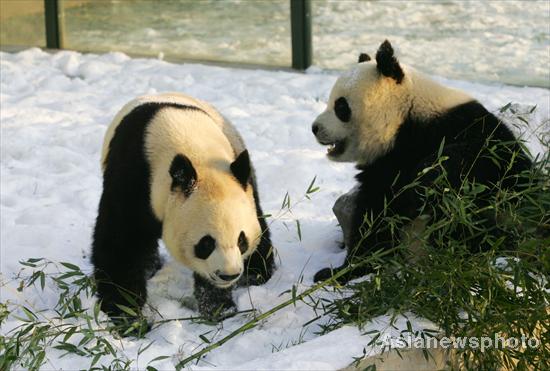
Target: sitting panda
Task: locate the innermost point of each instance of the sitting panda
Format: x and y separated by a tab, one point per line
393	121
174	168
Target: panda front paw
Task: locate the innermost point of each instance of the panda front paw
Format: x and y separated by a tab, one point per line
323	275
326	273
216	312
213	303
216	308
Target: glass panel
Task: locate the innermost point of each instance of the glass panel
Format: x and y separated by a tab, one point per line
506	41
22	23
235	31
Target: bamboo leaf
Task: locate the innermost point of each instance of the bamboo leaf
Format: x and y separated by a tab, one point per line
159	358
299	229
70	266
127	310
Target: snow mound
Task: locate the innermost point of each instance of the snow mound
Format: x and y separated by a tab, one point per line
55	110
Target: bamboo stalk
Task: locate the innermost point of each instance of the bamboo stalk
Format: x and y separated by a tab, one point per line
252	323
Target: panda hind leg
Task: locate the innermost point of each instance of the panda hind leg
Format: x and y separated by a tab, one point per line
121	261
118	291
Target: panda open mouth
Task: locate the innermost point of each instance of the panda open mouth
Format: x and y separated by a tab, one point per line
335	148
219	283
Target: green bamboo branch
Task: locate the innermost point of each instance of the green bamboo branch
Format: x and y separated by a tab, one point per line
252	323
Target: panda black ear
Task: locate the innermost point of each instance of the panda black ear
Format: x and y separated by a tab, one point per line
241	168
387	64
363	57
184	176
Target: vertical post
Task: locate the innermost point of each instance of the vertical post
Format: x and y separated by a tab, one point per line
51	14
300	26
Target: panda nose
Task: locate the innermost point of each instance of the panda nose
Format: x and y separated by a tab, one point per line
315	128
228	277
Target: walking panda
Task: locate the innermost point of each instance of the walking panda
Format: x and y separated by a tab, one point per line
174	168
393	121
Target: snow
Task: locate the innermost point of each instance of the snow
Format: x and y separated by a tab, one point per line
54	111
504	41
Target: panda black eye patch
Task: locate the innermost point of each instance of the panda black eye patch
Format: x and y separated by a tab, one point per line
342	110
204	248
242	242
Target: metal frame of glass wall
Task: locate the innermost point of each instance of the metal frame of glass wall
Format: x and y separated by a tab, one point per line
300	26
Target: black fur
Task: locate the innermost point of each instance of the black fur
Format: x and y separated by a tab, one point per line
126	231
468	130
363	57
125	239
387	64
242	242
205	247
213	302
342	110
184	175
241	168
259	265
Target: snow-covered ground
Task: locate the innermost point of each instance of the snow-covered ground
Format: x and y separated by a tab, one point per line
54	112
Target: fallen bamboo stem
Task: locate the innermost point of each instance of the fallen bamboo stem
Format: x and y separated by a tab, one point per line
252	323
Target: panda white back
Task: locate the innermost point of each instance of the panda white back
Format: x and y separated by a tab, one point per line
226	126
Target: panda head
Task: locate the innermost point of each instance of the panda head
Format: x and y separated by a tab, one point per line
366	106
210	223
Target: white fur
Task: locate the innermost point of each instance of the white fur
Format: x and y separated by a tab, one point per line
219	206
379	106
228	129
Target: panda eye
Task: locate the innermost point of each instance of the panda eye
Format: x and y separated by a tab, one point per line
342	110
243	243
204	248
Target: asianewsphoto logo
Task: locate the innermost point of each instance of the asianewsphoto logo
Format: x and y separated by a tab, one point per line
423	341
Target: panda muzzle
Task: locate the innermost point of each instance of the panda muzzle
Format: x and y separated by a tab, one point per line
228	277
